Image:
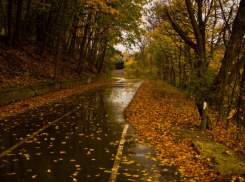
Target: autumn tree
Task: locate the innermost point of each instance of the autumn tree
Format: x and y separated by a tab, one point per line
83	32
213	31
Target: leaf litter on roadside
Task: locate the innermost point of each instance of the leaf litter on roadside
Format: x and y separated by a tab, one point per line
154	112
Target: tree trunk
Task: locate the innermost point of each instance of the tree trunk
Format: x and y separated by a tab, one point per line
40	27
4	18
25	23
93	52
81	61
241	101
180	79
102	59
232	51
10	20
49	31
151	64
68	43
59	40
204	115
172	69
18	20
88	45
73	39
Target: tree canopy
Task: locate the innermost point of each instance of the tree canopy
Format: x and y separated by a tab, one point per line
86	30
197	46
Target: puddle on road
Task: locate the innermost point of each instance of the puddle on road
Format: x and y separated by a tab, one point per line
80	147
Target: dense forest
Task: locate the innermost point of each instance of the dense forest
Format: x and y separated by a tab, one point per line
62	35
198	46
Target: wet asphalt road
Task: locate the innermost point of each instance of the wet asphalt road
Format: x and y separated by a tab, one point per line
81	146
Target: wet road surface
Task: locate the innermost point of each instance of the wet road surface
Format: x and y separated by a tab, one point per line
80	146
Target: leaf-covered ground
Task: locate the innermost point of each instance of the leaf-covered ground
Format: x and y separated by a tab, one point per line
26	66
157	112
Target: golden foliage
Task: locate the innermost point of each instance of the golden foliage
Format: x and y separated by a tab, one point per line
156	112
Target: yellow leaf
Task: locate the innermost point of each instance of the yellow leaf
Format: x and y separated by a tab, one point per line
241	178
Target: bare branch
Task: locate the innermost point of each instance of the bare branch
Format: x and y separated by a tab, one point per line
180	31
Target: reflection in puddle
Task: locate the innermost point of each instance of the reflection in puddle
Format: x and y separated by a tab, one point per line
79	147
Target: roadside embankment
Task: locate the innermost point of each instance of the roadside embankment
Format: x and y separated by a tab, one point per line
50	97
43	88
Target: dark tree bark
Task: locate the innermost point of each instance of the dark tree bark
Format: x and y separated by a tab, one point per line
173	80
25	23
4	19
233	48
59	40
73	39
166	67
18	21
93	52
88	45
99	56
50	28
81	60
10	20
40	27
102	58
241	101
50	17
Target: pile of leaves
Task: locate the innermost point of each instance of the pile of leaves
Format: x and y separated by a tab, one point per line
155	112
51	97
21	67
